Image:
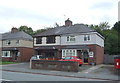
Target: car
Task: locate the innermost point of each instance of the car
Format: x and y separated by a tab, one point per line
36	57
73	58
41	57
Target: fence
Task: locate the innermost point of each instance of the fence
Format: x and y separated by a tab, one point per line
109	59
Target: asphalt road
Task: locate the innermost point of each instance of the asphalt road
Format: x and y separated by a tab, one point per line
18	76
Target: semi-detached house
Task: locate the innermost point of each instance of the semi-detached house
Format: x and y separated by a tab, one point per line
16	46
71	40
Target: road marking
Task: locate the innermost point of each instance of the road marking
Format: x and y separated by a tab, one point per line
54	71
5	80
72	75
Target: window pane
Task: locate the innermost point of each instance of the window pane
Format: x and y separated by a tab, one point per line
39	40
50	39
68	38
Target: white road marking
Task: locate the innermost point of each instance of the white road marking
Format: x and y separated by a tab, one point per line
72	75
54	71
5	80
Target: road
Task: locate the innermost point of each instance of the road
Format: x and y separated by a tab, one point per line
18	76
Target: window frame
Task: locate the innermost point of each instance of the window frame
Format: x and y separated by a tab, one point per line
50	39
71	38
17	41
8	42
87	38
38	40
69	52
6	52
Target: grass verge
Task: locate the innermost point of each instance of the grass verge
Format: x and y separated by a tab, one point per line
5	63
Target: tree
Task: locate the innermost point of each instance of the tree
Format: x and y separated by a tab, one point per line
111	43
26	29
117	27
39	31
101	28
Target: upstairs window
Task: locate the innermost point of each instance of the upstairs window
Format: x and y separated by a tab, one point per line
8	42
39	40
17	41
50	39
86	37
70	38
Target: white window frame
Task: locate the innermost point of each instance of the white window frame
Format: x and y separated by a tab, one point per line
69	52
71	38
4	54
8	41
86	37
17	41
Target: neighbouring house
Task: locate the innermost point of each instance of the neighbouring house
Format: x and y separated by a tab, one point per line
17	46
71	40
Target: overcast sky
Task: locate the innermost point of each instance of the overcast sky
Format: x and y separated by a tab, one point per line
44	13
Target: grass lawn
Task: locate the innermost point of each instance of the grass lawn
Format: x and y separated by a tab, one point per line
4	63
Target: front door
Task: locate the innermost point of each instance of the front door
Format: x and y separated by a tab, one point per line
15	55
85	57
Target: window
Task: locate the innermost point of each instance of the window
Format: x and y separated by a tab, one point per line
17	41
6	54
50	39
39	40
69	52
8	42
70	38
86	37
67	58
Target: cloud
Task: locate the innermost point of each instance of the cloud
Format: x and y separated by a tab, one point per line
103	6
44	13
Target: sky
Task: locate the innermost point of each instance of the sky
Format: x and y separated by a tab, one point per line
39	14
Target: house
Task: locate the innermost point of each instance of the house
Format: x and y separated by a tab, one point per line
71	40
17	46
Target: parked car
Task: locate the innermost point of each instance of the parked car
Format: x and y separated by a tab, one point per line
72	58
41	57
36	57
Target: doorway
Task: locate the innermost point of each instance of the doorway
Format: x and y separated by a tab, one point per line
85	57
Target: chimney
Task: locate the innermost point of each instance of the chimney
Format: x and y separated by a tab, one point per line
68	23
14	30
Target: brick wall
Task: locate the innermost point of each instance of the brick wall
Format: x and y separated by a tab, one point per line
7	59
26	54
99	54
55	65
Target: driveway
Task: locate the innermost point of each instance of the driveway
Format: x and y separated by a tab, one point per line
104	72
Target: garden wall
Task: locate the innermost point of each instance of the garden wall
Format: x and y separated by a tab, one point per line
54	65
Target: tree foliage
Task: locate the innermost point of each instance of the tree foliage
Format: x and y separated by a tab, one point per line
26	29
117	27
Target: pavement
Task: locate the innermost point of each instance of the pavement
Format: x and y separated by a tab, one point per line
104	72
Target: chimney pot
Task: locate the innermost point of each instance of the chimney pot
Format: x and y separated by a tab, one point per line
68	22
14	30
